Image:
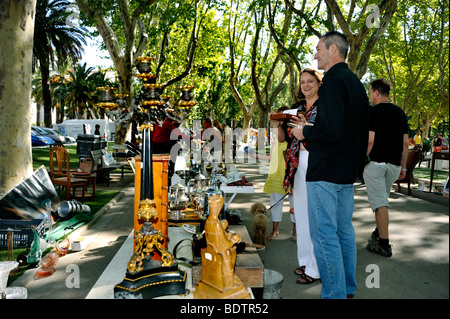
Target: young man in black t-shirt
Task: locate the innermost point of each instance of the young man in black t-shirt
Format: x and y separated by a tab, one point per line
388	153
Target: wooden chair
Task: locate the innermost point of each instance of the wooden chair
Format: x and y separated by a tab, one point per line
413	158
61	175
423	158
85	168
63	161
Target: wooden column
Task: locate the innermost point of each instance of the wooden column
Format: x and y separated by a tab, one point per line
160	189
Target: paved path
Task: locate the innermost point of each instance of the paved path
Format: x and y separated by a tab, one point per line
419	267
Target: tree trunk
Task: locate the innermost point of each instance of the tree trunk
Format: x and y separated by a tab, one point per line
125	78
16	48
263	117
360	50
46	93
38	114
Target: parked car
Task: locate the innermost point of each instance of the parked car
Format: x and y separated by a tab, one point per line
57	136
70	139
42	131
40	140
53	134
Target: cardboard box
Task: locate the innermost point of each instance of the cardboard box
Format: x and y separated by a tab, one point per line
78	244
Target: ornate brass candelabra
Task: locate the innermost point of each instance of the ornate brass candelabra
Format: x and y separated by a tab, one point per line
147	276
107	98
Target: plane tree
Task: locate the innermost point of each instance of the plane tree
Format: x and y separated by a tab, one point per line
413	56
16	49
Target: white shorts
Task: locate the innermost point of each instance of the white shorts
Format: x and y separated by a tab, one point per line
379	178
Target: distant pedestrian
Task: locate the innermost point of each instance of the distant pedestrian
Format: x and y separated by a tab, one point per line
388	152
418	139
274	181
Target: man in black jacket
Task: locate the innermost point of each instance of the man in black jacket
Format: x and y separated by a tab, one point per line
338	145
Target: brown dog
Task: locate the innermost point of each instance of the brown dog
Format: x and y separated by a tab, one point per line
260	222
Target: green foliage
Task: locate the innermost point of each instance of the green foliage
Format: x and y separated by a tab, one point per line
426	145
425	173
409	56
402	54
78	90
54	38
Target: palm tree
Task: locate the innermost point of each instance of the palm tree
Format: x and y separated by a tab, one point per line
58	96
58	86
78	91
59	89
55	41
36	93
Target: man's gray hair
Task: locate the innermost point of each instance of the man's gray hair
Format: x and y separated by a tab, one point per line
340	39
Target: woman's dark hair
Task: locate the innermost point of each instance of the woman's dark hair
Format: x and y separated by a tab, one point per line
282	108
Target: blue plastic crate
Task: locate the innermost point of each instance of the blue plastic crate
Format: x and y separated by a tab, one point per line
22	231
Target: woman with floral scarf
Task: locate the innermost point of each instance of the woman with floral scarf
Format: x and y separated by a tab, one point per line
295	175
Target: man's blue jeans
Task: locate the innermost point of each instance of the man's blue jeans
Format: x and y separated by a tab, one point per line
330	221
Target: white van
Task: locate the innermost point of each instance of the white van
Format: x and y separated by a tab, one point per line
74	127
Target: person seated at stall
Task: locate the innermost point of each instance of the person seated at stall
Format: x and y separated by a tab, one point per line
227	140
213	139
166	136
437	141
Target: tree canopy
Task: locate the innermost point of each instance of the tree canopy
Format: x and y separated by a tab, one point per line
244	56
413	56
